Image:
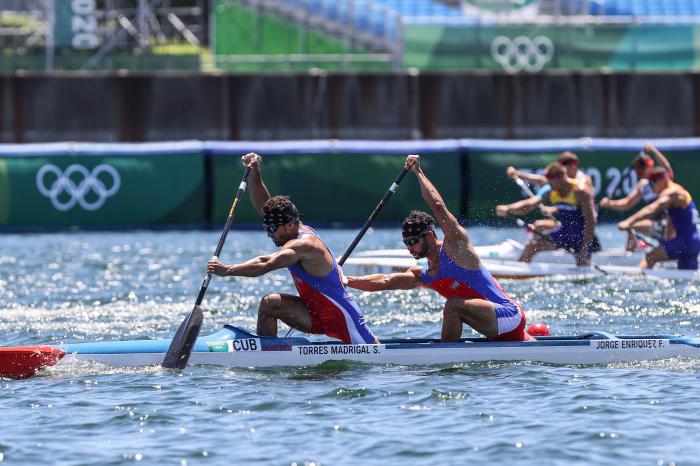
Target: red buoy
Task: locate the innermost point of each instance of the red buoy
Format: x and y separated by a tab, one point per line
538	329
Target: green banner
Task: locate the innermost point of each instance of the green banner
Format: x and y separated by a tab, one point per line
75	24
532	48
102	191
609	170
338	187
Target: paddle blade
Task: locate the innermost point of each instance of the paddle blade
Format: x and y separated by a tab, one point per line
24	362
181	347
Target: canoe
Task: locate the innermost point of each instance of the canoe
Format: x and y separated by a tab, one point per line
235	347
504	269
388	260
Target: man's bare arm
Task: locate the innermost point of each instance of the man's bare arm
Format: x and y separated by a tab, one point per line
532	178
381	282
257	266
649	211
449	224
257	191
626	203
661	158
518	208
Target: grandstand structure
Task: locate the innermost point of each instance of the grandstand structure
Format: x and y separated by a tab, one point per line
271	35
102	34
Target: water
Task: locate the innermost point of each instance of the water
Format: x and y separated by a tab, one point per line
104	286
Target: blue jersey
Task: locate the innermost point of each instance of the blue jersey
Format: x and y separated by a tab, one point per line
685	246
333	311
570	233
454	281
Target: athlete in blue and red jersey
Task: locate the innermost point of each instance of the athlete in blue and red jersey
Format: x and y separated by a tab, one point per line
684	245
323	306
454	270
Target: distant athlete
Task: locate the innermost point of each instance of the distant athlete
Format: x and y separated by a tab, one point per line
684	246
568	160
454	270
574	202
643	191
571	164
323	306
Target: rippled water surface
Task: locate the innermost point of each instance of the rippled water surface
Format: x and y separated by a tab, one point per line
103	286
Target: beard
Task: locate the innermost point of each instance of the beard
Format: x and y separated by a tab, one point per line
422	253
279	242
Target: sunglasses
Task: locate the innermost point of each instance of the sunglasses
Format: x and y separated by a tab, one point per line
656	179
272	229
413	240
564	163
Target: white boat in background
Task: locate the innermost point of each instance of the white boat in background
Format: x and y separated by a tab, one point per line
504	269
556	264
511	250
391	260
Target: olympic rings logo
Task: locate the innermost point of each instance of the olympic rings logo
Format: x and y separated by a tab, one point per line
76	193
522	53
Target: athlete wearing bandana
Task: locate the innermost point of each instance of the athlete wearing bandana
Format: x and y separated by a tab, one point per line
454	270
323	306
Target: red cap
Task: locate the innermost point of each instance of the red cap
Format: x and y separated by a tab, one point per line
538	329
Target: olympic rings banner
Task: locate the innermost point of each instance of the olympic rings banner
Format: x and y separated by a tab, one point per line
58	186
103	185
533	48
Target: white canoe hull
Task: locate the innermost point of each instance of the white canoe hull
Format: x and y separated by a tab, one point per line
268	352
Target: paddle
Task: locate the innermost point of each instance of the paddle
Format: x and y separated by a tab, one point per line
392	189
181	347
646	239
528	192
568	249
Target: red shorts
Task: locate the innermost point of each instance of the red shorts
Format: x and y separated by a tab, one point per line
517	334
342	321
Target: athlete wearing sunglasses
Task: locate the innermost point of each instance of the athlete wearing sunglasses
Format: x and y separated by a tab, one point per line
413	240
454	270
322	306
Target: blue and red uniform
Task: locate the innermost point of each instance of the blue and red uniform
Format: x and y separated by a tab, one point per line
685	246
454	281
333	311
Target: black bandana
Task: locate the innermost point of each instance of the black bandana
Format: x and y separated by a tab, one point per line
279	218
415	228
